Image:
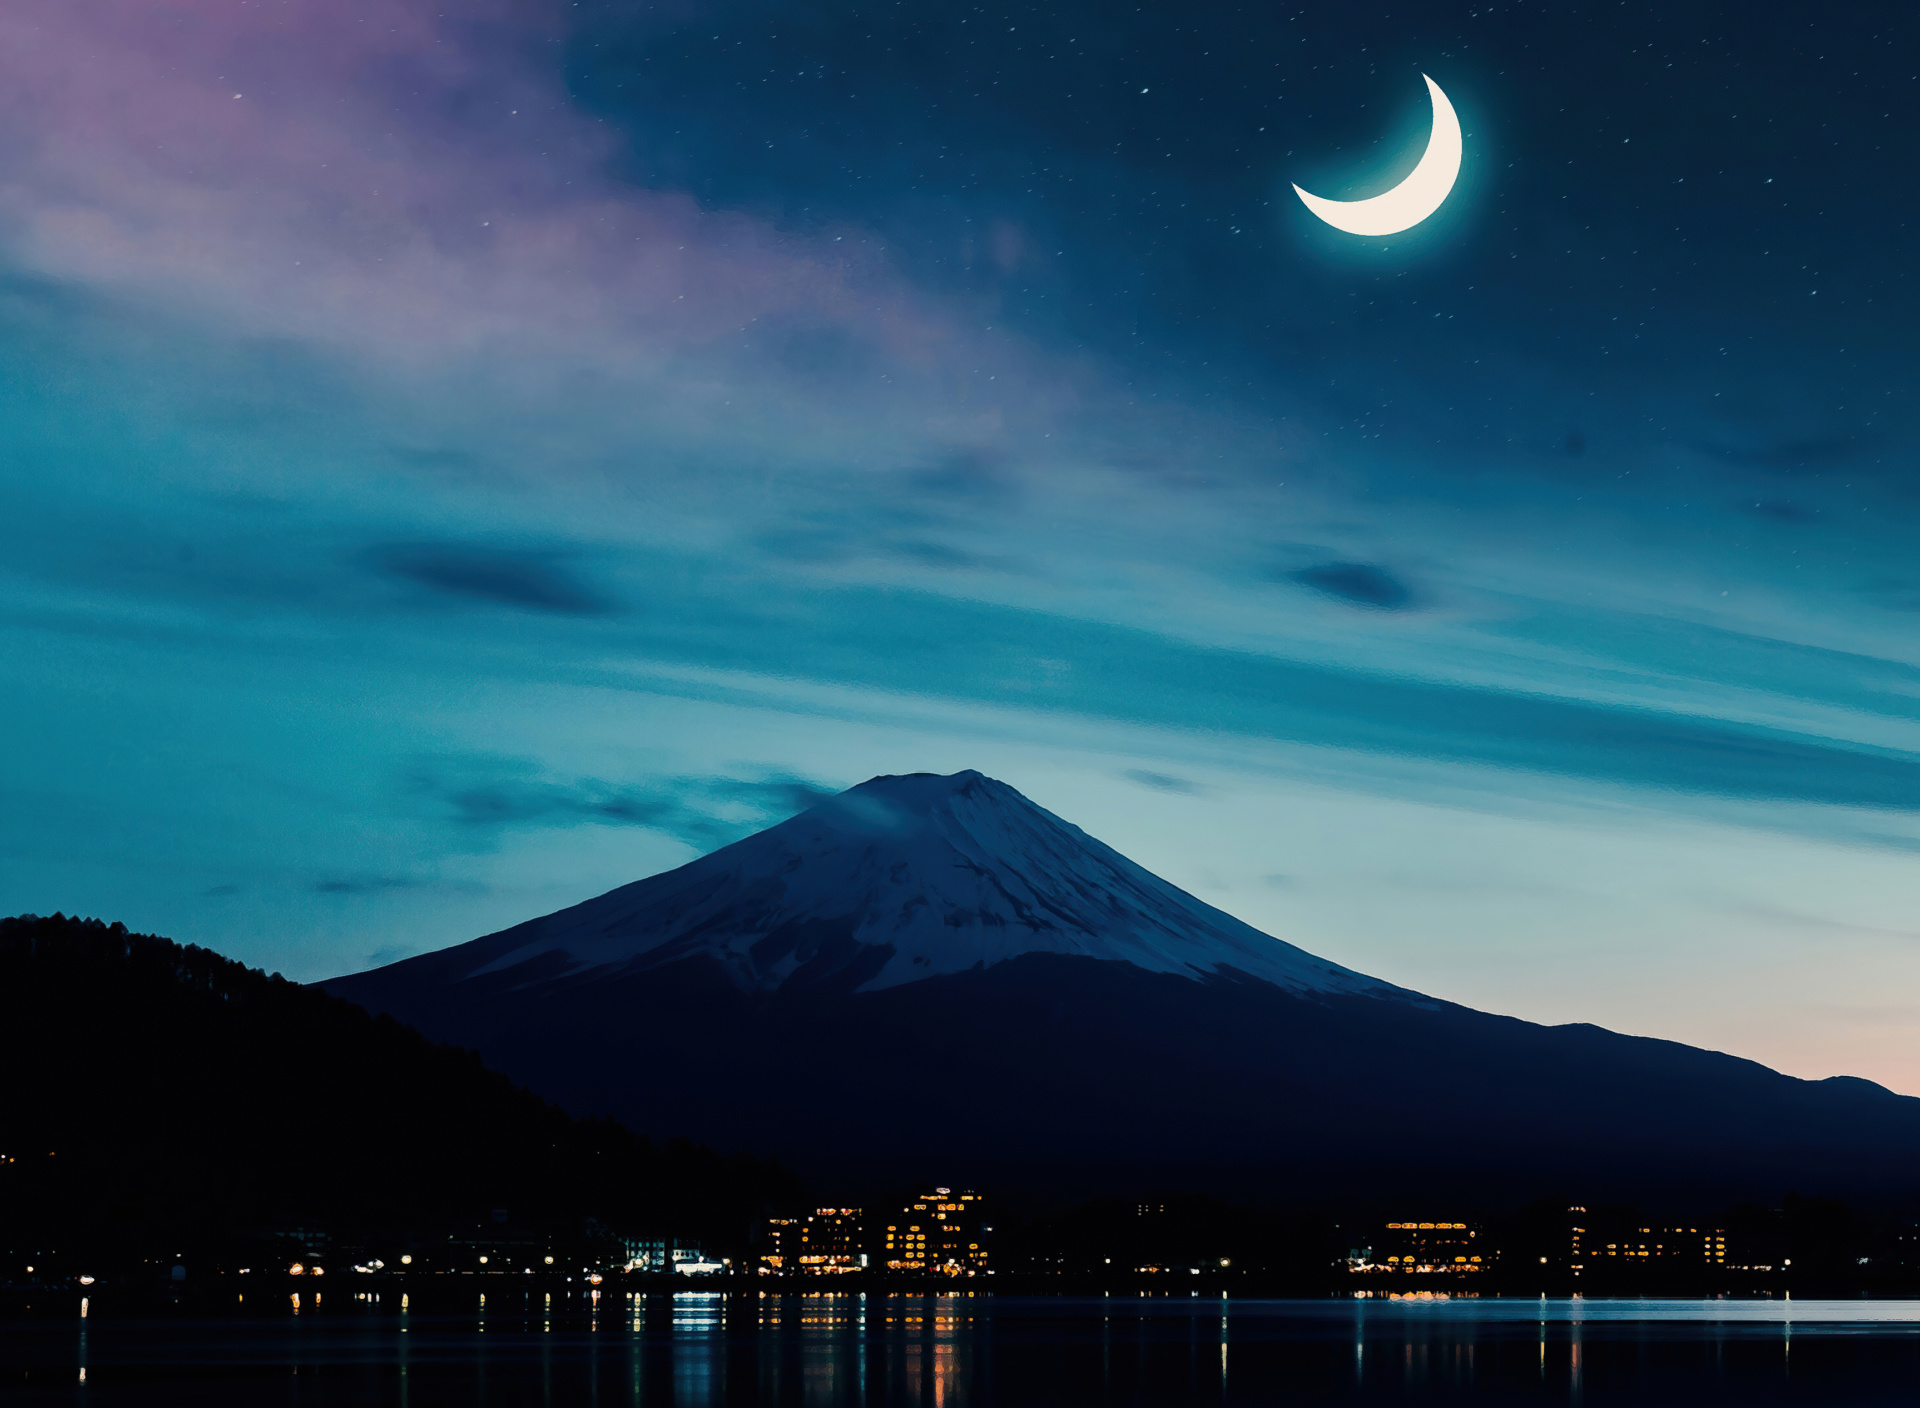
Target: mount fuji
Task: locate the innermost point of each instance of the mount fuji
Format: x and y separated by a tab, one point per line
898	880
932	976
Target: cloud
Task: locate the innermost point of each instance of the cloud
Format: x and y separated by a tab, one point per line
368	886
774	793
913	643
1818	923
1356	582
531	581
411	189
484	796
1161	782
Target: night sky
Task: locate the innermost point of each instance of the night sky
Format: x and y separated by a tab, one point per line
453	464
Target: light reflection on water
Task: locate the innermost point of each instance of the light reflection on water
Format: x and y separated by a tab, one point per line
699	1372
705	1349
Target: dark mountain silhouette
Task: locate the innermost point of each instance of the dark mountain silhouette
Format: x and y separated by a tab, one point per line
931	976
161	1097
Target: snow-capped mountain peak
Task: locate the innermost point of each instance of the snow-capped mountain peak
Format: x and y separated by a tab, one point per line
903	878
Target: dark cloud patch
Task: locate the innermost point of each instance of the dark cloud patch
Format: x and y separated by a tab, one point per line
496	804
777	793
1162	782
492	794
372	885
527	580
1575	444
629	808
1357	582
218	890
381	957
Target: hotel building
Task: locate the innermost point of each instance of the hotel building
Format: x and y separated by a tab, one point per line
942	1232
828	1242
1593	1245
1431	1247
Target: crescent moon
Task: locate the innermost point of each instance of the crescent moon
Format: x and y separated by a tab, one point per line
1414	199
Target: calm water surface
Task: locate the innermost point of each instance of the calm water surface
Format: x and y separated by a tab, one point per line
703	1349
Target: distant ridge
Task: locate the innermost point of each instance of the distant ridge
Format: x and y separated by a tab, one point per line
933	976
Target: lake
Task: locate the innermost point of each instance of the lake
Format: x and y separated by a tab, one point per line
696	1349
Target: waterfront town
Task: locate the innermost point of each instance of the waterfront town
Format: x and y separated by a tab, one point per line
947	1237
945	1233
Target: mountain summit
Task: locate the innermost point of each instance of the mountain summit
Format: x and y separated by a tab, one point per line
902	879
931	977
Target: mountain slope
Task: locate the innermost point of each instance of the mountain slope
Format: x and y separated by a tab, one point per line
930	977
162	1098
897	880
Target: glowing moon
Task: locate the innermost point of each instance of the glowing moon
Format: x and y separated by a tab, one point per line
1415	198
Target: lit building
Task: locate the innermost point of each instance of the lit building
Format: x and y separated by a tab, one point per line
658	1253
830	1242
943	1232
783	1246
1429	1248
826	1243
1596	1246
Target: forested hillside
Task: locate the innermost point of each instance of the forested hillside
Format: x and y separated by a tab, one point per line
159	1096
